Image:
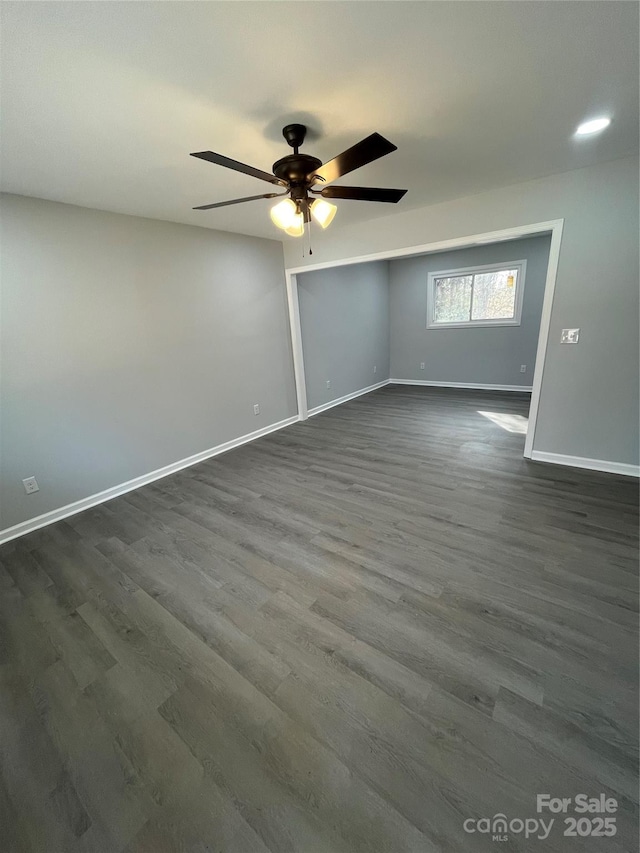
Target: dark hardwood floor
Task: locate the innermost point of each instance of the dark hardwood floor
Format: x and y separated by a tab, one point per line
351	635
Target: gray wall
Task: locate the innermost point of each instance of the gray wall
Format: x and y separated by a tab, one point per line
490	355
129	344
589	398
344	313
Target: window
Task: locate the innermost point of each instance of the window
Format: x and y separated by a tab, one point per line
476	296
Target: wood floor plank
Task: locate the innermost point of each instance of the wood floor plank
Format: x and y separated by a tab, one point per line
15	833
38	789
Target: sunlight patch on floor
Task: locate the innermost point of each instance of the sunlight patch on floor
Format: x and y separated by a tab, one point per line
512	423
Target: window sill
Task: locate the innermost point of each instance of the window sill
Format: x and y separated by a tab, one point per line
475	324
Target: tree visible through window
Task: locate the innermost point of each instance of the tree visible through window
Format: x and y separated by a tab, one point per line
488	296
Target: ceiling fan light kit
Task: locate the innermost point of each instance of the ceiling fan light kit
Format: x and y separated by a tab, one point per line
323	212
283	213
299	174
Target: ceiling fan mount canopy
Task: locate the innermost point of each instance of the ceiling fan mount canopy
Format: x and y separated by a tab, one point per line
294	134
299	173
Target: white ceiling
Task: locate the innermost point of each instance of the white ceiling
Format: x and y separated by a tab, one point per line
103	101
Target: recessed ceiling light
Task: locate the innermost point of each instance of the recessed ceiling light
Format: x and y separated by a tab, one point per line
595	125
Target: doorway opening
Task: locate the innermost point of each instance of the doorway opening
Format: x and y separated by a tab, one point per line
505	296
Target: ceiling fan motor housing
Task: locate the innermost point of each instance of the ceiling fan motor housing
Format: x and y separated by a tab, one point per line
294	168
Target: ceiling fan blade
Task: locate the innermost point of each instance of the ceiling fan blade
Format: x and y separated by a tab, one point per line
228	163
363	193
237	201
363	152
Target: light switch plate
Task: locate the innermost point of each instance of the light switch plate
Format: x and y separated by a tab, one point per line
570	336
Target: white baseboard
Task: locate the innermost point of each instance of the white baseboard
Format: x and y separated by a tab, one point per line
346	398
86	503
584	462
526	389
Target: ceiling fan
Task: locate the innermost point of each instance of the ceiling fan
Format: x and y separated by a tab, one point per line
299	174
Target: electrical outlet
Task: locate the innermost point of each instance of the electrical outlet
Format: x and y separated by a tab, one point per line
422	365
328	383
523	368
375	368
256	409
30	485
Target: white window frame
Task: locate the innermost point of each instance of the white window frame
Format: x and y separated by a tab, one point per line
521	266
